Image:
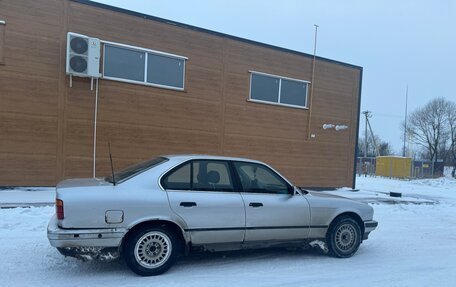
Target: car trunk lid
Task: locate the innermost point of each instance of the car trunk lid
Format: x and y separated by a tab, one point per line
82	182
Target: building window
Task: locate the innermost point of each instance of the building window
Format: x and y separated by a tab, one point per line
142	66
271	89
124	63
264	88
293	93
165	71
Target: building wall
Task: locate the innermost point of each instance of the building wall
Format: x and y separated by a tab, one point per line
46	127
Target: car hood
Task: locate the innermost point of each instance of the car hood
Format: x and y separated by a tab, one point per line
82	182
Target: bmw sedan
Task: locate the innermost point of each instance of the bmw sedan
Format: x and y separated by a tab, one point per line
155	211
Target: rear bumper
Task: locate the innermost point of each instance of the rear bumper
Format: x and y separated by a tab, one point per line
59	237
369	226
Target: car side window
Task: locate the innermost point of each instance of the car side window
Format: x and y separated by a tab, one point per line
199	175
211	175
178	179
256	178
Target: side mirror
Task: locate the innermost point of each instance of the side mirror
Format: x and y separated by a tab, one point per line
299	191
296	191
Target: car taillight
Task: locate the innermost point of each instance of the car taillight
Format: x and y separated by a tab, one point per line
59	208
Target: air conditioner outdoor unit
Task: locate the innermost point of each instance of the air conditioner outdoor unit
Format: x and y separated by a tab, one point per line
83	56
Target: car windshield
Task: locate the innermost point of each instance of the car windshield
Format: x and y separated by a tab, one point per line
135	169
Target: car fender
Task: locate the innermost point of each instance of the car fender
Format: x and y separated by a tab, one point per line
173	219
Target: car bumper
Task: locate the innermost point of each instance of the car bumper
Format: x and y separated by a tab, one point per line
60	237
369	226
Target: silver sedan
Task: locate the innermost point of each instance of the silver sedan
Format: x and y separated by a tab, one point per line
157	210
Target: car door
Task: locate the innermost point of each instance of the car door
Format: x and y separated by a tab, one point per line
273	210
202	193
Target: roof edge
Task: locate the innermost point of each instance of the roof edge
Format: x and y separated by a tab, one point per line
207	31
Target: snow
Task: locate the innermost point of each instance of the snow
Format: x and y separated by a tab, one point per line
414	245
25	196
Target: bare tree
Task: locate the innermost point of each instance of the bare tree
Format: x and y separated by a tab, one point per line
451	119
383	147
428	126
370	147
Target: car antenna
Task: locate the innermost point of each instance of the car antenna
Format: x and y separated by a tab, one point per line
112	168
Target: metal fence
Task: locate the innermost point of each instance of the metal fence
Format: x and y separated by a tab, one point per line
366	166
427	169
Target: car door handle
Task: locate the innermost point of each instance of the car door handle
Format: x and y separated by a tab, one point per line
255	204
187	204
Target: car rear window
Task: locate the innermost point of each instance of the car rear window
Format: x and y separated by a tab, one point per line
136	169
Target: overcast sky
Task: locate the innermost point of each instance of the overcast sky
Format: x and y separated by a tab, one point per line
396	42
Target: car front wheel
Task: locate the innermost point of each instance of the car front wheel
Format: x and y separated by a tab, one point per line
151	251
344	237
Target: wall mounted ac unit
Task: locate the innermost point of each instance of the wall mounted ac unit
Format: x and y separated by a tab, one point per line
83	56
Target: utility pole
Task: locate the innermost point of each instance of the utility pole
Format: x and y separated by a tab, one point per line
94	168
367	115
312	84
376	153
405	120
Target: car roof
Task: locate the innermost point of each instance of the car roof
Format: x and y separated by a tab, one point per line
205	156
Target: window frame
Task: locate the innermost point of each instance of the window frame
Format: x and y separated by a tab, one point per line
231	173
280	78
290	187
146	52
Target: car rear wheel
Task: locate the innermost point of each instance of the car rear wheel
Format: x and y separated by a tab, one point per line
151	251
343	237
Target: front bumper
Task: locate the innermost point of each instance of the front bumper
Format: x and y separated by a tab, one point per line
106	237
369	226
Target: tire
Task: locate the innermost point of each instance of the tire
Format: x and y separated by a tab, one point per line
151	251
343	237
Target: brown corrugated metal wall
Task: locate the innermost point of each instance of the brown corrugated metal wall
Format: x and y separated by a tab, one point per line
46	127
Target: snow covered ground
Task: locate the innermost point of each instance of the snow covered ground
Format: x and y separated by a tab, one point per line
25	196
414	245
